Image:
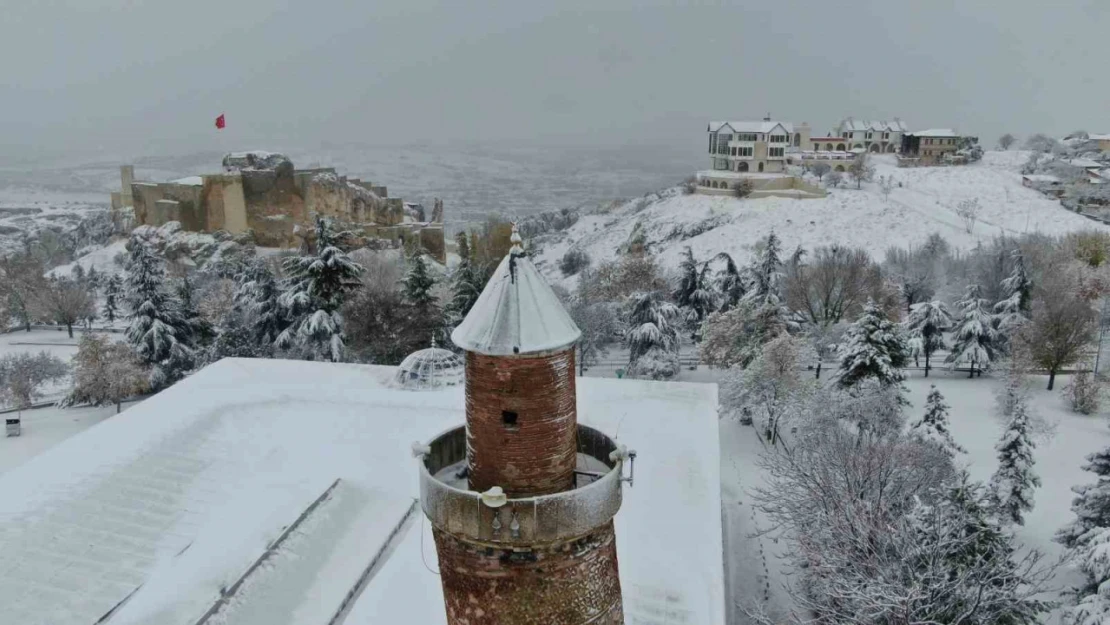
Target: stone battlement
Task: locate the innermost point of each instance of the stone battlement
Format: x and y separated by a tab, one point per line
263	193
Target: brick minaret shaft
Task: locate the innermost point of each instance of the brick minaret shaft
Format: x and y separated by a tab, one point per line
521	422
522	436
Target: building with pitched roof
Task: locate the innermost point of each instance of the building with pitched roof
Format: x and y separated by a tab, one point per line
876	136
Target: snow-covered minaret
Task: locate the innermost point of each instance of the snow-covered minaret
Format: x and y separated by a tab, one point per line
523	540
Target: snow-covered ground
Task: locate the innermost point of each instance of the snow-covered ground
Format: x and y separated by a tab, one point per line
925	203
757	573
43	428
178	496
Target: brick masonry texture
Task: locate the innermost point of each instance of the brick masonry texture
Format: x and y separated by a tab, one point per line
572	583
535	455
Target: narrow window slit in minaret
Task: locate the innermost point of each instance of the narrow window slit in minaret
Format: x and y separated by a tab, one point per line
508	417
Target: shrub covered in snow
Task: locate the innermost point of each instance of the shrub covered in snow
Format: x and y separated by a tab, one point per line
1084	392
574	261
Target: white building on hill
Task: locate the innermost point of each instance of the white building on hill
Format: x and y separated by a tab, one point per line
878	136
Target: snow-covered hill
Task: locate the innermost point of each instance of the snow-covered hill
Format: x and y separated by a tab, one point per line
926	202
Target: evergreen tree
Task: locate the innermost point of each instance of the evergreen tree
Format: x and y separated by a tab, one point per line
416	286
112	296
1091	504
652	337
465	289
315	288
974	340
766	272
1016	308
157	332
968	563
694	292
873	349
926	325
199	330
933	426
731	283
1013	481
1088	539
258	299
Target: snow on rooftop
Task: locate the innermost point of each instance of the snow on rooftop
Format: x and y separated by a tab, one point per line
1085	163
194	181
882	125
751	126
1040	178
935	132
172	501
517	312
1099	137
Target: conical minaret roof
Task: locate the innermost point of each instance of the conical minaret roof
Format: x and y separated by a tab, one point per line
517	312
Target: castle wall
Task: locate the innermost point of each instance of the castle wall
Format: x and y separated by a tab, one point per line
273	205
225	204
190	199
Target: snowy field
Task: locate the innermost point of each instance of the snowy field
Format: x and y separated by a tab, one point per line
925	203
756	570
178	496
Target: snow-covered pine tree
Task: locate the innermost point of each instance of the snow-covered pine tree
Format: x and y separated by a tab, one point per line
258	298
933	426
113	294
1014	480
465	284
157	332
694	293
1091	504
766	272
926	325
1016	308
873	349
730	282
416	286
1088	540
974	335
652	337
200	332
315	287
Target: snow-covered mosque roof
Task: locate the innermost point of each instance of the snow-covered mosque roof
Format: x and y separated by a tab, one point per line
517	312
306	470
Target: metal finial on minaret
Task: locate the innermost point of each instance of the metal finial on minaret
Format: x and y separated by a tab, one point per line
517	249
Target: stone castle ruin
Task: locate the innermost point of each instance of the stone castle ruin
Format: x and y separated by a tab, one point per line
264	194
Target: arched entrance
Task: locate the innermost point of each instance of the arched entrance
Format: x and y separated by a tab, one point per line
839	168
840	146
797	139
875	148
829	147
890	148
858	145
761	167
743	166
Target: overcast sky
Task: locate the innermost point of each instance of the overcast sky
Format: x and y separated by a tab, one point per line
141	77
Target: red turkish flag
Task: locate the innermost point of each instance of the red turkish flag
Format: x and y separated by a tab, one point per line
220	123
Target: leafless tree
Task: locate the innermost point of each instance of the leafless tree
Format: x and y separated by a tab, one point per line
66	302
835	179
1006	140
771	387
861	170
916	273
884	531
1062	326
968	210
23	374
820	169
105	372
1040	142
886	185
833	285
20	281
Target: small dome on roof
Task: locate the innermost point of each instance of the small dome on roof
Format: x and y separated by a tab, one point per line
430	368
